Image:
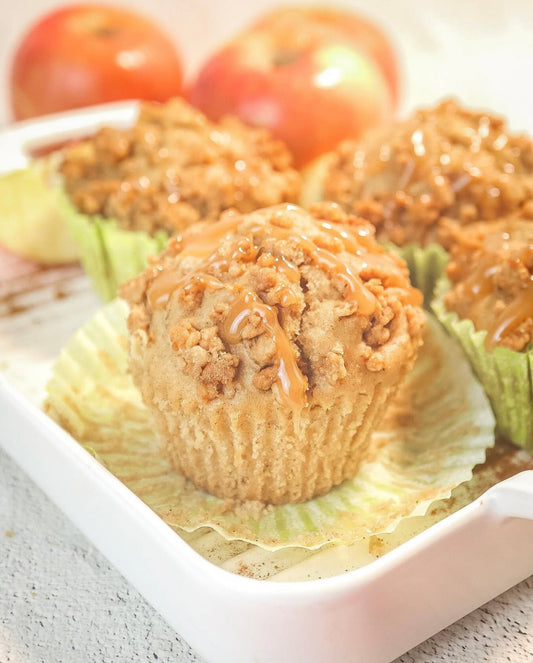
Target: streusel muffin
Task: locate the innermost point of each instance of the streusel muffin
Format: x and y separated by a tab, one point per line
131	189
487	304
267	347
491	276
446	161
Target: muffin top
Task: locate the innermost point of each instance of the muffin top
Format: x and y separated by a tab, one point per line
279	300
174	168
491	272
442	161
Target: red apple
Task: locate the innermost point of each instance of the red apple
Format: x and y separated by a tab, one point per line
307	82
88	54
364	34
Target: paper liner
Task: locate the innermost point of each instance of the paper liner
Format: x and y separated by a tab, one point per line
435	431
506	375
32	217
110	255
426	265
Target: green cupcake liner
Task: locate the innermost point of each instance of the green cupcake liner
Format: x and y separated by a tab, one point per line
506	375
437	428
109	254
426	265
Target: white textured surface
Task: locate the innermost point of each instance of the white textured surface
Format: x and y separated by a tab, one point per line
61	601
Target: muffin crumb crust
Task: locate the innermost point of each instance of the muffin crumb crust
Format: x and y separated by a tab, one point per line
174	168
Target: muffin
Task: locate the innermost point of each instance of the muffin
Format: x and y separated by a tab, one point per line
405	178
131	189
266	347
487	303
491	276
445	161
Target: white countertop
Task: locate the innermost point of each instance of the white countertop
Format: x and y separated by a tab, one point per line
61	601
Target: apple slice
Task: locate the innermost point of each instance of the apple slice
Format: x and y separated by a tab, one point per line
33	210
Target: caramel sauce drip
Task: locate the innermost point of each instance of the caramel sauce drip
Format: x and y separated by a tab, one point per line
479	283
355	289
354	240
515	313
291	382
166	283
287	269
207	241
206	244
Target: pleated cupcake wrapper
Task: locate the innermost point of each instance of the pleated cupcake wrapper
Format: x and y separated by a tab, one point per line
436	430
506	375
109	254
256	455
32	219
426	265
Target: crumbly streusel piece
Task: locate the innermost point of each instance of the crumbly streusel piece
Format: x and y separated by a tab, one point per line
442	161
174	168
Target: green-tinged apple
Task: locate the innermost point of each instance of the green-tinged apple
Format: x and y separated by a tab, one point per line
82	55
361	32
308	83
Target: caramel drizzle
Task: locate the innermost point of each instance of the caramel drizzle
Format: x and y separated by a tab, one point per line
329	263
291	382
166	283
202	245
373	256
480	284
512	317
208	240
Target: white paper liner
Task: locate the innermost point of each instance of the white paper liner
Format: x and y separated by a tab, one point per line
436	430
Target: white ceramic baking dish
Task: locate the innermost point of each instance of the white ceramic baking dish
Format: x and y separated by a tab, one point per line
369	610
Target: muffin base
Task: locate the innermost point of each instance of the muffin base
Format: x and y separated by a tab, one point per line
278	458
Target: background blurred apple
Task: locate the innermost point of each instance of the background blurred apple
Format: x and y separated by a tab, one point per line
362	33
309	81
89	54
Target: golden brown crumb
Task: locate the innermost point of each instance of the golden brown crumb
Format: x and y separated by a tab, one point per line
442	161
175	168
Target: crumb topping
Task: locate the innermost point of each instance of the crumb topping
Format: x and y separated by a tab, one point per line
285	299
491	274
442	161
175	168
